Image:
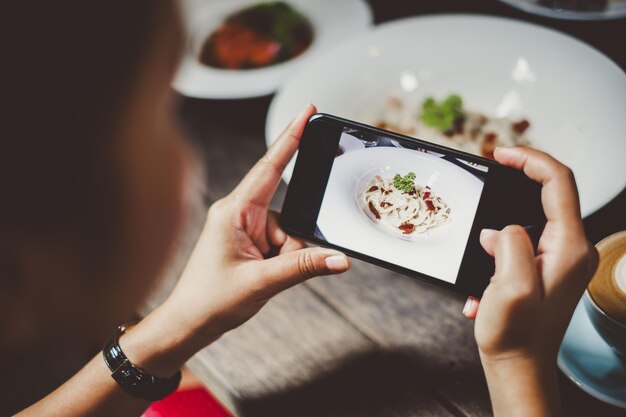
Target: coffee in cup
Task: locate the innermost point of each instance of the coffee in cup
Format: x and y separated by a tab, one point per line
605	299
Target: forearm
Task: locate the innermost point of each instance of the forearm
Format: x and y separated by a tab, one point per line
91	392
522	388
159	344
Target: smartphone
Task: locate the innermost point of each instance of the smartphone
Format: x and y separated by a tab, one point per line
403	203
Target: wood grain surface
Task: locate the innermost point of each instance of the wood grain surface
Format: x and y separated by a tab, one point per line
297	357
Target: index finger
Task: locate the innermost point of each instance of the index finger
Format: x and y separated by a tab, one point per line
259	185
559	195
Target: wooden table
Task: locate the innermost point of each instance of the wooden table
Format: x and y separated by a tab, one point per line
369	342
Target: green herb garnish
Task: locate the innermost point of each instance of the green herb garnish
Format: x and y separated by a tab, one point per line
406	183
277	19
442	115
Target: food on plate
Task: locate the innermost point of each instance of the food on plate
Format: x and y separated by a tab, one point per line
444	116
258	36
404	207
447	123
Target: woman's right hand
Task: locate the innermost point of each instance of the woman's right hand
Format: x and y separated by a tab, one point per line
241	260
524	312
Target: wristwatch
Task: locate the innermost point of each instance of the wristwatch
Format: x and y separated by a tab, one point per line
134	380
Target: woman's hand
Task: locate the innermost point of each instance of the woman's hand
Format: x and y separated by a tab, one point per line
231	275
525	310
242	259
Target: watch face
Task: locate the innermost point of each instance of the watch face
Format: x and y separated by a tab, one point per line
132	379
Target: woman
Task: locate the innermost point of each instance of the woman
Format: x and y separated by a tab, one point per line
96	177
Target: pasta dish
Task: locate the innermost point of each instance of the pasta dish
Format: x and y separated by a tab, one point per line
404	207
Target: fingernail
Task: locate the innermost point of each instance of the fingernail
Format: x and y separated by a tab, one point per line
469	304
281	236
504	149
487	233
305	110
337	263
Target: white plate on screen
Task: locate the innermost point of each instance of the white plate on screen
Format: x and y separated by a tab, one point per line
574	97
333	21
350	143
344	220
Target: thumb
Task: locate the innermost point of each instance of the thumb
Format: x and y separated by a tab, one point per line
516	272
471	307
488	239
286	270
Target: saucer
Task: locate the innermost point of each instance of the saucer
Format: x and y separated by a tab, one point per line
590	363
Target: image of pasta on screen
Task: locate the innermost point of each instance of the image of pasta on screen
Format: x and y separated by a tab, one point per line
408	206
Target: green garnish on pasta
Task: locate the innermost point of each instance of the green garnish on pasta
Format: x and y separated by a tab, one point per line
406	183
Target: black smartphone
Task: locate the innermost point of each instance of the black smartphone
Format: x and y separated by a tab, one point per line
403	203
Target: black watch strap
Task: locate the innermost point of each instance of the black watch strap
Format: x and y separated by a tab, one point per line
134	380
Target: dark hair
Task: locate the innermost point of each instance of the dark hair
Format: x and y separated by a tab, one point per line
68	66
66	69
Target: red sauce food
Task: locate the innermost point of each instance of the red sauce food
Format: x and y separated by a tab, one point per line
373	210
489	145
258	36
521	126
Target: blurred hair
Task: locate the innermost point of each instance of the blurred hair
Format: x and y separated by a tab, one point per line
67	68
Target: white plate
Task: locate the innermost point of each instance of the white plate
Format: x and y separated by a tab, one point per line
343	222
590	363
333	21
614	10
348	143
574	97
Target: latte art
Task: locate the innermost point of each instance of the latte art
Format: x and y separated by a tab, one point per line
608	286
620	274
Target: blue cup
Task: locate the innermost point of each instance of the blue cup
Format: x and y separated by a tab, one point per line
612	331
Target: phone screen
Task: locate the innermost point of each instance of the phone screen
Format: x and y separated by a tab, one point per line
408	206
398	202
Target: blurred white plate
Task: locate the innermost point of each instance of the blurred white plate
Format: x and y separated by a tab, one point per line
438	252
333	21
614	10
574	97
